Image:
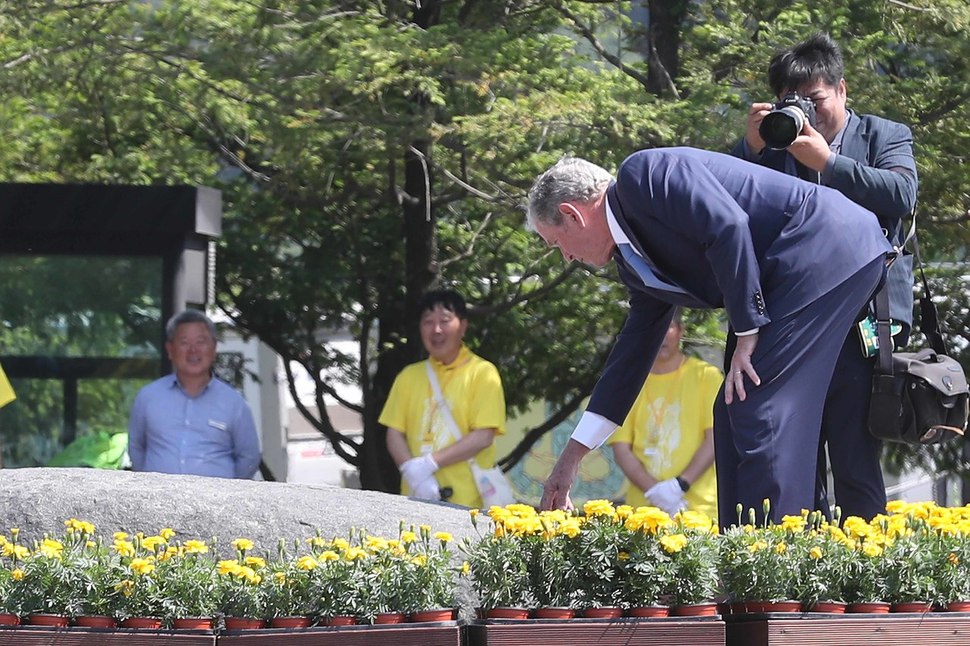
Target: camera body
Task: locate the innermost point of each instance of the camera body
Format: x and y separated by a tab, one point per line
785	121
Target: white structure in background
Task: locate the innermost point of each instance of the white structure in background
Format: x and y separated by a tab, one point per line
293	450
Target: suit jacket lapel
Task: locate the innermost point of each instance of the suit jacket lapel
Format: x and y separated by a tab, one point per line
854	144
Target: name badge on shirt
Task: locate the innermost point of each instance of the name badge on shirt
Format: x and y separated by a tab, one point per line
222	426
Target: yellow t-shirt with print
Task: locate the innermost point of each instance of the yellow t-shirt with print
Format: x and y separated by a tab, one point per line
666	426
473	389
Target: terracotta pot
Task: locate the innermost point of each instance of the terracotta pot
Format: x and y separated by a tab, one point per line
289	622
648	611
192	623
390	618
438	614
142	623
773	606
603	613
7	619
833	607
340	620
694	610
44	619
95	621
244	623
911	606
874	607
958	606
550	612
507	613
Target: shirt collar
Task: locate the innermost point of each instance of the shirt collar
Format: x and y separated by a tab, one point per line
616	231
464	354
836	145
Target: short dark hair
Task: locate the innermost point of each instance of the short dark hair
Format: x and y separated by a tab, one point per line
818	58
446	298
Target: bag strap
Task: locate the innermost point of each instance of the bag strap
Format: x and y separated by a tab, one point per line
439	398
929	319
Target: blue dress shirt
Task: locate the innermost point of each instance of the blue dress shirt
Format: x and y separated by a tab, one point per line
211	434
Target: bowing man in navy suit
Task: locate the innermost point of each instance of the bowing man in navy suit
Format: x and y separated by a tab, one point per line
792	263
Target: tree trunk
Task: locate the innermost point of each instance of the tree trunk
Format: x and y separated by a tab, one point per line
660	43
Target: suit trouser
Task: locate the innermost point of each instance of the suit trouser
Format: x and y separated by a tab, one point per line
766	447
852	450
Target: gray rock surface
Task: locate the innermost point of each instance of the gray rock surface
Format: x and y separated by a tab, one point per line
40	500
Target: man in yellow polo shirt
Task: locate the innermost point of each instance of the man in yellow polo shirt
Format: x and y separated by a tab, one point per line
420	437
666	444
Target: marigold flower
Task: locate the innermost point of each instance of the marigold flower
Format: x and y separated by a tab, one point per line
17	574
255	562
329	555
167	533
227	567
308	563
243	544
142	566
673	543
51	549
120	536
599	508
408	537
150	543
815	552
444	537
196	547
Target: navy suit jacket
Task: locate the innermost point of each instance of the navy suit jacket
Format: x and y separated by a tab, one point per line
876	169
733	234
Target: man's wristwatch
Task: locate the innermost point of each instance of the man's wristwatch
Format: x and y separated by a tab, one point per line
684	485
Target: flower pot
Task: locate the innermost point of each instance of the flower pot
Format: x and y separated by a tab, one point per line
958	606
550	612
340	620
773	606
608	612
390	618
873	607
8	619
244	623
438	614
694	610
507	613
192	623
45	619
833	607
911	606
142	623
95	621
648	611
289	622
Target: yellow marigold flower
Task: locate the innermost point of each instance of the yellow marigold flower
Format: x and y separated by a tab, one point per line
474	513
90	545
227	567
150	543
196	547
8	548
169	552
793	523
142	566
19	552
466	568
623	556
120	536
815	552
167	533
329	555
280	578
341	543
124	548
309	563
245	572
953	559
571	527
17	574
408	537
242	544
3	540
420	560
51	549
376	544
624	511
781	548
757	546
354	554
255	562
696	520
318	541
599	508
673	543
871	550
126	587
444	537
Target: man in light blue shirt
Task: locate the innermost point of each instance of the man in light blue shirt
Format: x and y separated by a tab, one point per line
191	422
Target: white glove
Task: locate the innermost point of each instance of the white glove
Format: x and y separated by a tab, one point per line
417	470
427	489
667	495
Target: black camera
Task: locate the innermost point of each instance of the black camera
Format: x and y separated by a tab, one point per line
785	121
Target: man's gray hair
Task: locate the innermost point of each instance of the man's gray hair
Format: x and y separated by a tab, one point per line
571	179
188	316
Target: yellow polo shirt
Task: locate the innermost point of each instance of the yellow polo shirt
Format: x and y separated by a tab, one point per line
473	389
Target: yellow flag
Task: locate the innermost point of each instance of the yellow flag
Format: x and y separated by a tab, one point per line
6	390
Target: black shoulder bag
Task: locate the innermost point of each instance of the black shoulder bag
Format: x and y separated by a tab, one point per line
917	397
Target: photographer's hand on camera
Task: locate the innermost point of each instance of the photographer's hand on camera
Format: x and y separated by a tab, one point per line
751	136
810	148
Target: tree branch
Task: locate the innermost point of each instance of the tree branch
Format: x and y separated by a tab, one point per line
587	32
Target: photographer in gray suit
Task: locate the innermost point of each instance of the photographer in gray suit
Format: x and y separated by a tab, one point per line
869	160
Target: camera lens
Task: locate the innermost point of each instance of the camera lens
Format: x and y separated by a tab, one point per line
780	127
